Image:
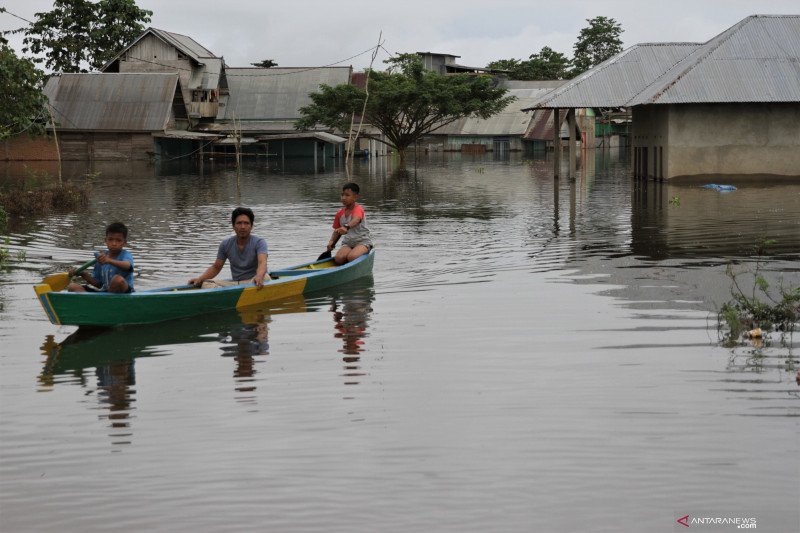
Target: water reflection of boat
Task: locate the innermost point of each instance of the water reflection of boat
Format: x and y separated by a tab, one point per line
112	354
92	347
169	303
103	360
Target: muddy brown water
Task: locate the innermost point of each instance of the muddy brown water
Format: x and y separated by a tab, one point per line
529	355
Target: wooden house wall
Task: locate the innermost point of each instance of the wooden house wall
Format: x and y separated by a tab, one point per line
154	55
80	146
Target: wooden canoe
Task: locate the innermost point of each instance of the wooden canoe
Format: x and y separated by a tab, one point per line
169	303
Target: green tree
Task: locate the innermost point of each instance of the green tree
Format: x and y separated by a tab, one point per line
119	22
596	43
510	65
546	65
23	104
77	33
266	63
405	102
549	65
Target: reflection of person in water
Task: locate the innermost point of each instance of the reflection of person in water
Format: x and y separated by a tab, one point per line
115	383
243	343
350	316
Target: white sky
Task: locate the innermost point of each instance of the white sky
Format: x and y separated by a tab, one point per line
323	32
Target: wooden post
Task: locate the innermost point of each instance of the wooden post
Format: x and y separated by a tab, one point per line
571	151
556	142
55	138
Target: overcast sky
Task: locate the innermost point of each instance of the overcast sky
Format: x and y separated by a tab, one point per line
325	32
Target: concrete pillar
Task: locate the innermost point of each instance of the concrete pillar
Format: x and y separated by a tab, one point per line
571	151
556	142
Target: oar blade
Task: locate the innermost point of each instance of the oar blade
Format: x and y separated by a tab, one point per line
60	280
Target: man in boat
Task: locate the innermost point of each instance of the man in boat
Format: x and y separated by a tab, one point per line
113	271
246	253
350	223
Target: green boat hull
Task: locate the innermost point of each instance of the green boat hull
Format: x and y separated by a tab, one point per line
170	303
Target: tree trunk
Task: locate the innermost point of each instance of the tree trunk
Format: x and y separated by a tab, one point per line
402	153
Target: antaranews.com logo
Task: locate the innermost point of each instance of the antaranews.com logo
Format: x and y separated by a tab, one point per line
718	522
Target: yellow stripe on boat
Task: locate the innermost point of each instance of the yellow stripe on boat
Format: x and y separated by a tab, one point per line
253	296
319	266
42	291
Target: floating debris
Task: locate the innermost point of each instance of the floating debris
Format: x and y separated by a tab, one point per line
720	188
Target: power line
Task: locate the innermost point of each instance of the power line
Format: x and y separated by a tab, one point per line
4	10
265	75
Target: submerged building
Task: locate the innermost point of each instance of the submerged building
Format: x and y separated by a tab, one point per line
729	106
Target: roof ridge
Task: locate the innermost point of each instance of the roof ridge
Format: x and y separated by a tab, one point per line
558	91
713	45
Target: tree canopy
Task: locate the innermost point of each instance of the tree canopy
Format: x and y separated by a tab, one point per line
265	63
23	103
405	102
546	65
80	33
596	43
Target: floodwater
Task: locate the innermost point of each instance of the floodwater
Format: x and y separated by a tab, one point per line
529	355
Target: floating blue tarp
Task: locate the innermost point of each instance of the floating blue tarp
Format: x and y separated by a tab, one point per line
721	188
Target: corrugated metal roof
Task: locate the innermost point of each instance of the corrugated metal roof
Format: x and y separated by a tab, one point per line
275	93
207	78
319	135
185	43
510	121
615	81
541	126
183	134
251	126
757	60
112	102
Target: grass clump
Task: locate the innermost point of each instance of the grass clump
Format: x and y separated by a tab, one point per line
755	305
37	195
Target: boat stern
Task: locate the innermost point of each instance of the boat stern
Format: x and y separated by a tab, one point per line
43	291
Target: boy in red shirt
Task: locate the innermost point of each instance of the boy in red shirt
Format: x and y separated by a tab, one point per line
350	223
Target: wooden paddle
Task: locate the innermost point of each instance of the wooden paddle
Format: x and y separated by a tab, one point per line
60	280
324	255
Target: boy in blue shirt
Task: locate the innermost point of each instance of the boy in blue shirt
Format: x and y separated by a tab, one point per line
113	271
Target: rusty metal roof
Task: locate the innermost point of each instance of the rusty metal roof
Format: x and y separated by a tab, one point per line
275	93
541	126
756	60
113	101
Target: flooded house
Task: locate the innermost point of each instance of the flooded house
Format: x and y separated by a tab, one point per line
511	130
726	107
165	95
263	105
202	73
112	116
